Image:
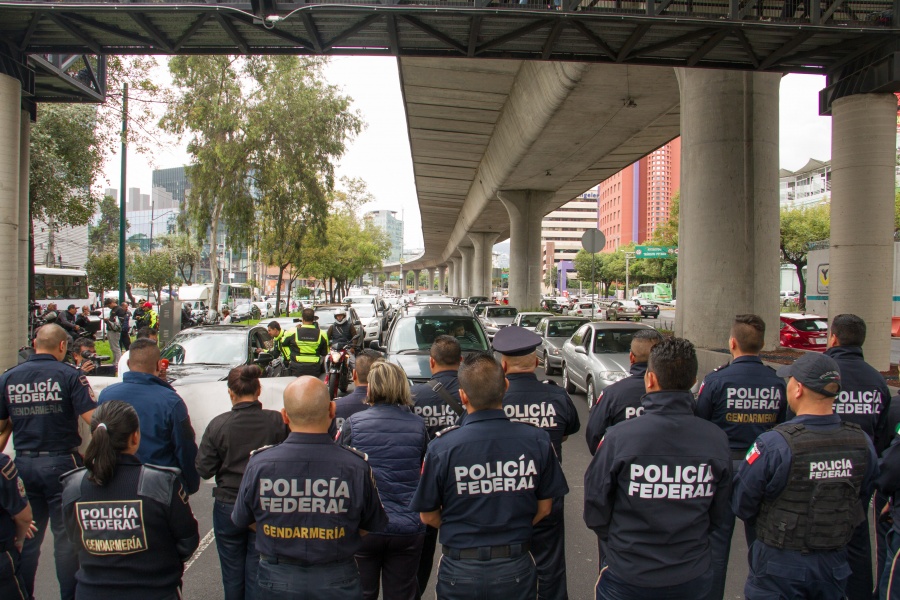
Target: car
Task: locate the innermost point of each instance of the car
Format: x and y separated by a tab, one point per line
372	321
474	300
408	342
478	309
284	322
789	296
648	309
245	312
804	332
529	320
623	309
597	355
587	309
554	332
325	315
494	318
551	305
209	352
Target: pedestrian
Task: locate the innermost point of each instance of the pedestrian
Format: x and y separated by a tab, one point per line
132	522
804	484
40	402
394	439
437	403
224	452
125	338
744	398
144	333
226	315
83	320
622	400
115	321
67	320
306	345
16	526
656	486
864	399
167	437
357	400
484	485
311	502
547	406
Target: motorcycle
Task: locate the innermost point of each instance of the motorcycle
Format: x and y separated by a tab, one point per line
272	366
337	369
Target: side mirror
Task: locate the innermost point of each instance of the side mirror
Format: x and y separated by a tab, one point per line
374	345
580	350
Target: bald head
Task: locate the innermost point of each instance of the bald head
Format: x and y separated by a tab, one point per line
51	339
308	406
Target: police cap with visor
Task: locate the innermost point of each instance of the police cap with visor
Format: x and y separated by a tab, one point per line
815	371
516	341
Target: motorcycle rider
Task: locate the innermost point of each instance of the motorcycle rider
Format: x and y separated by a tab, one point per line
342	332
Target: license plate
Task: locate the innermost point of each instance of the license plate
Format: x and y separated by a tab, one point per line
821	340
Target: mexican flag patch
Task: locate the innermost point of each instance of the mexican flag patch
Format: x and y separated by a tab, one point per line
752	454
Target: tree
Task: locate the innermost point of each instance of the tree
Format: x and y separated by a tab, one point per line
664	269
102	272
184	253
584	260
104	236
155	271
551	277
897	208
800	227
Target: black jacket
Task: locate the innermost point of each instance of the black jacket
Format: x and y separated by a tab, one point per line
616	403
864	398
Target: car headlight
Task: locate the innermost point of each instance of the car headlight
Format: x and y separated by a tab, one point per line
612	375
554	350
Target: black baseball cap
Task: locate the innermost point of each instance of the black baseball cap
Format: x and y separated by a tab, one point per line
815	371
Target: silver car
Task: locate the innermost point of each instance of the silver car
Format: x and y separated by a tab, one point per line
597	356
554	331
496	317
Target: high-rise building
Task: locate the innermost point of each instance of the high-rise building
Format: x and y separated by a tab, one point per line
175	181
561	229
387	220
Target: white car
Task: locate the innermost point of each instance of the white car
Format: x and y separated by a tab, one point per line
529	320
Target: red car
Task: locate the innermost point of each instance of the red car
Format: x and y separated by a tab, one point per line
804	332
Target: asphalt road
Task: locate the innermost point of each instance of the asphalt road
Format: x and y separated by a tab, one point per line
202	579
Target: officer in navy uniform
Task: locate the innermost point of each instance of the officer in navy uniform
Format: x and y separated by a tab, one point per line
430	401
888	527
311	501
15	527
622	400
805	483
544	405
881	512
656	486
40	402
745	398
865	400
484	485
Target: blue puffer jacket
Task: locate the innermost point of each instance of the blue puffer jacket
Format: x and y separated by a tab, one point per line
395	440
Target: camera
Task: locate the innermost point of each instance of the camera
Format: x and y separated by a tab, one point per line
95	358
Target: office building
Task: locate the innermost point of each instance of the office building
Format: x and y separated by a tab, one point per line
561	229
389	223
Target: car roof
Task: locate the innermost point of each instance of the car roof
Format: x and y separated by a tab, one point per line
437	311
797	316
216	329
616	325
567	318
534	312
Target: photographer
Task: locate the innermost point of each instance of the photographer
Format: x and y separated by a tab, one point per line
84	356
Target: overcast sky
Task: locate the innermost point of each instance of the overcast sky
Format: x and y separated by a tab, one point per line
380	154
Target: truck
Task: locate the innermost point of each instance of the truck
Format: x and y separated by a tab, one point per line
196	295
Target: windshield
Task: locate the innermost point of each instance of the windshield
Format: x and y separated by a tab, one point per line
531	320
613	341
358	300
809	325
419	333
364	311
501	312
202	347
326	316
563	329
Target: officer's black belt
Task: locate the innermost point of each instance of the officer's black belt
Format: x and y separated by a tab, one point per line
486	552
32	454
281	560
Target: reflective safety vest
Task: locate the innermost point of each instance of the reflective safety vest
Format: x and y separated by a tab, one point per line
306	344
819	508
152	318
279	347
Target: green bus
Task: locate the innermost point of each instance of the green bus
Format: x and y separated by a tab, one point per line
655	292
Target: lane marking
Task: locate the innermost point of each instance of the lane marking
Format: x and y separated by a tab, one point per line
208	539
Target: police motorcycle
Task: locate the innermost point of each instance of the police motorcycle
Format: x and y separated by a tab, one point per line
337	368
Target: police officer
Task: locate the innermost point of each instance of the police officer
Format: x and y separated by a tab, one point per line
278	336
306	345
656	486
544	405
15	527
311	501
745	398
484	485
132	522
804	484
40	402
887	533
865	400
622	400
437	402
881	512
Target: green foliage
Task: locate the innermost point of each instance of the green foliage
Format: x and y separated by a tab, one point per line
104	236
897	210
663	269
155	271
800	227
102	272
184	252
551	277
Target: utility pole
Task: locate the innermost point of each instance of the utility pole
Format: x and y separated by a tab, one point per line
628	257
122	193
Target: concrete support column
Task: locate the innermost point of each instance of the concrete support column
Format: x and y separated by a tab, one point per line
430	272
11	265
861	255
465	271
416	274
526	208
24	227
728	257
442	278
455	266
481	262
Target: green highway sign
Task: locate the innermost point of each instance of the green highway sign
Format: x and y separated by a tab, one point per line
655	252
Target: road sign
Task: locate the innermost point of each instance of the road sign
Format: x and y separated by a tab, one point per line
593	240
655	251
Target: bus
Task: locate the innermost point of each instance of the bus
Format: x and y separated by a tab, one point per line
655	292
62	287
233	294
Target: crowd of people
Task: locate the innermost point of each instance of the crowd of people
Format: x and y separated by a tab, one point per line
350	498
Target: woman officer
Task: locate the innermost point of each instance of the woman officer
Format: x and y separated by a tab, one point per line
131	522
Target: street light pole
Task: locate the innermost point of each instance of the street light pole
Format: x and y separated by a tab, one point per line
628	257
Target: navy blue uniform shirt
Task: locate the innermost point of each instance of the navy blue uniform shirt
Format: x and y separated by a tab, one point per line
44	397
744	398
764	473
616	403
428	405
655	488
12	499
543	405
889	478
864	398
309	498
487	477
350	404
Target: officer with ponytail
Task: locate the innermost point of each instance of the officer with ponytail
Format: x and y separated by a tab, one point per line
131	522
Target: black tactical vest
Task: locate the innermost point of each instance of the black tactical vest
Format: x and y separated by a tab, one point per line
820	507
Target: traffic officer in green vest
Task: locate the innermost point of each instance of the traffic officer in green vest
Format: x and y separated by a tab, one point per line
803	483
278	336
306	346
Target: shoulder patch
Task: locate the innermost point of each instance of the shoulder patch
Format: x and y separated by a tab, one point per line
263	449
8	470
446	430
550	382
359	453
156	483
720	367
